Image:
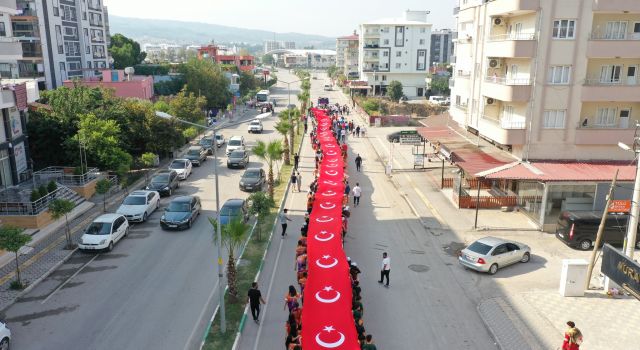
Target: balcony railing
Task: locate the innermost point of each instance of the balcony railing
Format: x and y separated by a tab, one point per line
507	123
614	125
512	36
507	81
607	82
614	36
371	46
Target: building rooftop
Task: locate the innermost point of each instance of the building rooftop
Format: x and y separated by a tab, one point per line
396	21
349	37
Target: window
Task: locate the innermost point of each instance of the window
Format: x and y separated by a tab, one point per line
421	53
564	29
71	31
56	11
398	53
3	30
59	39
559	74
385	53
386	41
385	30
384	78
606	117
68	13
399	36
375	77
87	48
421	41
423	30
98	51
610	74
398	65
63	70
616	30
75	66
554	119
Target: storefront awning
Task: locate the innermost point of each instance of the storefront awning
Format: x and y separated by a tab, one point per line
549	171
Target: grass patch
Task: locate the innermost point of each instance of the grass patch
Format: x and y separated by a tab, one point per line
252	261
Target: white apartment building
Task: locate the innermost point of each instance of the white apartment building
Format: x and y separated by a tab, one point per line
318	59
10	47
347	50
270	45
61	39
441	46
396	49
549	79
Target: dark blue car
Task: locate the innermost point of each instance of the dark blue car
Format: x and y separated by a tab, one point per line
234	208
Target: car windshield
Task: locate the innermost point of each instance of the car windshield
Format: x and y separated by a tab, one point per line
206	141
99	228
255	122
178	164
219	137
234	143
251	174
194	152
237	154
230	211
161	178
135	200
480	248
178	206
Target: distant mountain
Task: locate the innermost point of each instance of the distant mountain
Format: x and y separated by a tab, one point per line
178	32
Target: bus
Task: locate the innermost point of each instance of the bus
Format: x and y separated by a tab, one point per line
262	97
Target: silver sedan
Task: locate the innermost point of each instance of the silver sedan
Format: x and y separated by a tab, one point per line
490	253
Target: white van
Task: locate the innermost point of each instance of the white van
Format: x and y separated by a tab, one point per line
438	100
327	87
105	231
234	143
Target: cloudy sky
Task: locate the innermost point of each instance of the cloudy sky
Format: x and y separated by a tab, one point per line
326	17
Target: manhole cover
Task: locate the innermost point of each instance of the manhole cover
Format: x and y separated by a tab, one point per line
419	268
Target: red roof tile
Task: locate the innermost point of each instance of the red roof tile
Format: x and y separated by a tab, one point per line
566	171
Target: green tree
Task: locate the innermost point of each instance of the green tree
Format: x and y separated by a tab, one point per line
232	235
188	106
12	239
248	82
333	72
260	205
270	152
125	52
394	90
267	59
440	85
59	208
101	139
207	79
102	187
147	160
283	126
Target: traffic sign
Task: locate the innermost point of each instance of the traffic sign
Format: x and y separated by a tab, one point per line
410	137
619	206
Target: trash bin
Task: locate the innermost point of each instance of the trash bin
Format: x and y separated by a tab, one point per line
573	277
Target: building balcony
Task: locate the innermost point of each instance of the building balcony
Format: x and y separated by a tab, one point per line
10	49
502	131
371	46
596	90
602	135
631	6
371	58
371	34
7	99
512	45
603	46
512	7
505	89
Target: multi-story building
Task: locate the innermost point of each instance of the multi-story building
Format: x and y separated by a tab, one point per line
10	47
61	38
288	45
270	45
441	46
319	59
223	55
396	49
549	79
347	55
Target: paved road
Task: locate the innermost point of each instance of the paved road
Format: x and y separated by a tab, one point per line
155	290
426	307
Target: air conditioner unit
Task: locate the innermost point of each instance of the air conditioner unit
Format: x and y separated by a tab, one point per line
498	21
490	101
495	63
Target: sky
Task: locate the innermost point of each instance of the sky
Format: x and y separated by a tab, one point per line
327	17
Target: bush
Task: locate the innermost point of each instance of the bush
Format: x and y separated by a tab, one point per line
17	285
43	190
35	195
52	186
371	106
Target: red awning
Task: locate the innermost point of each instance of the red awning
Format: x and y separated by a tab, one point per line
562	171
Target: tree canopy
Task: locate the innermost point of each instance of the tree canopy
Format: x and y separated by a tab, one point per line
394	90
207	79
125	52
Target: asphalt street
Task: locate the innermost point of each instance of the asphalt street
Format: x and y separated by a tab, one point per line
427	306
155	290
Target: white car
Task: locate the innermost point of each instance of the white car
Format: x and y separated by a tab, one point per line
139	205
182	167
235	142
105	231
255	127
5	335
220	140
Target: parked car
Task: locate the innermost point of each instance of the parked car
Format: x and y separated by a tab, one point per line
252	180
139	205
403	99
196	155
181	212
220	140
165	181
579	229
234	208
394	137
488	254
235	142
5	335
105	231
238	159
207	144
255	126
438	100
182	167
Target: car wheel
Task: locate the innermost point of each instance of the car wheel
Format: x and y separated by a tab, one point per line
585	244
525	258
110	247
144	216
493	269
170	191
158	205
126	232
190	223
4	344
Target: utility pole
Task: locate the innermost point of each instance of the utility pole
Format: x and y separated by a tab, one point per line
594	252
632	230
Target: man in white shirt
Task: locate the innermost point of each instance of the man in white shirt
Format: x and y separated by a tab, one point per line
385	268
357	191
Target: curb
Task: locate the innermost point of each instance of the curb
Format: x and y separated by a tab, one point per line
486	324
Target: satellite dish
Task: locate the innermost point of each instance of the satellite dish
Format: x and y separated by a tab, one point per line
129	70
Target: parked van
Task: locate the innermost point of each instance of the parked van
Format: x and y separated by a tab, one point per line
438	100
235	142
579	229
327	86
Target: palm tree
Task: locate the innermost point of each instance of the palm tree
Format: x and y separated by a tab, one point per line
270	152
292	116
283	127
232	236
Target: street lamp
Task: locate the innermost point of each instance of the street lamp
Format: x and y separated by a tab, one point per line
289	87
163	115
632	229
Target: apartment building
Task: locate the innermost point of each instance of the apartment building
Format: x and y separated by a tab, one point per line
549	79
61	39
396	49
10	47
347	55
441	46
270	45
302	58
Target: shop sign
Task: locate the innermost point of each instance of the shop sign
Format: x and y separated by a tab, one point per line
620	269
619	206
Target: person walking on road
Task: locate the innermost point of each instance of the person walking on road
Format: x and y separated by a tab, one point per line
572	337
358	131
294	179
368	344
255	298
358	162
299	181
343	135
385	268
357	191
347	191
283	221
296	160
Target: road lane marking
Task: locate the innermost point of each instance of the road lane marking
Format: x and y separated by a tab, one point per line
433	210
69	279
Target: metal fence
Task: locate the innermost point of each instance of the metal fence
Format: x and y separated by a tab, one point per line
66	176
